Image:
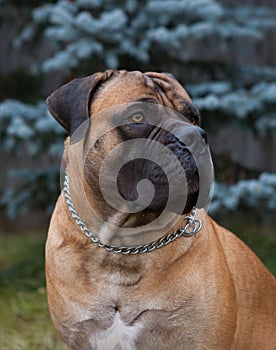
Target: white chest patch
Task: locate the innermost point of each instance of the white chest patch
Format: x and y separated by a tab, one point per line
117	337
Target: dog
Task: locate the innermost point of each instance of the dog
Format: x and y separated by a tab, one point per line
187	285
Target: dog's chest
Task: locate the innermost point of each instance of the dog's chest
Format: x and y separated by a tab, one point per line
119	336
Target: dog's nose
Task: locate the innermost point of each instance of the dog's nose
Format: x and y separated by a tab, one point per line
189	136
202	133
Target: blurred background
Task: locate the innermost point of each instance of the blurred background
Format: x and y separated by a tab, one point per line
223	52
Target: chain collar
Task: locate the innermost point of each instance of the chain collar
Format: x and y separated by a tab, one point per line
192	227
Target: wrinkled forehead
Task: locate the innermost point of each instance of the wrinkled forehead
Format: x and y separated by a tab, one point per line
125	88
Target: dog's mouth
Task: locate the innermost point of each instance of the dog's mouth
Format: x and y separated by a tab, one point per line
168	169
171	184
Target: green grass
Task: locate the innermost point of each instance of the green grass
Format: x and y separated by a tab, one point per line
24	319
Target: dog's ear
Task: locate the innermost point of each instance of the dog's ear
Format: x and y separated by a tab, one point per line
70	104
167	82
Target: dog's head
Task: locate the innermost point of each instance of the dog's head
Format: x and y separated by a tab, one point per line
153	116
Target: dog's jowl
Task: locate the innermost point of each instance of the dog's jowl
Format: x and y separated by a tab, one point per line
133	261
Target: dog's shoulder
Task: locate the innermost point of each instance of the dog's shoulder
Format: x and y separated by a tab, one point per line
251	278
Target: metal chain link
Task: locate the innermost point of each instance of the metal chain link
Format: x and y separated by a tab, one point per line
192	227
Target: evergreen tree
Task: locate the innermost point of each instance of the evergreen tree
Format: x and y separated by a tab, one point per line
213	48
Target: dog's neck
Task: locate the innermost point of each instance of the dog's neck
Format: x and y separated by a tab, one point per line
120	231
120	269
126	270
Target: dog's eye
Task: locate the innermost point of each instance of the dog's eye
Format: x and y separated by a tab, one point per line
137	118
